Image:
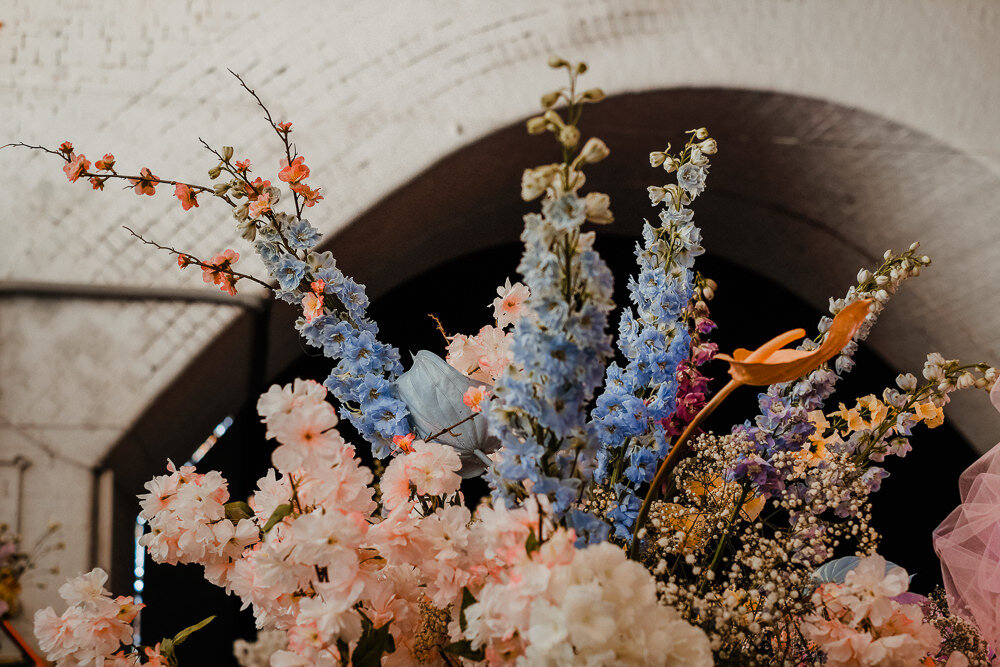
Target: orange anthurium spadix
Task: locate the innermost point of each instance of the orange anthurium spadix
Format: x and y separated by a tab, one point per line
771	363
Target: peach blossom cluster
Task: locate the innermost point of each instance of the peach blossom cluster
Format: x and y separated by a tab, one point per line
319	556
486	355
860	622
315	557
187	519
94	629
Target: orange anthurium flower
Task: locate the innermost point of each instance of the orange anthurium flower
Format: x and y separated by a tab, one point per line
768	364
771	363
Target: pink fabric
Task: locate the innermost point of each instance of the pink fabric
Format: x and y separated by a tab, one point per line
968	544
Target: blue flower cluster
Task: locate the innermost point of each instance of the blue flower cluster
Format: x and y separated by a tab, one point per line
560	347
653	341
362	378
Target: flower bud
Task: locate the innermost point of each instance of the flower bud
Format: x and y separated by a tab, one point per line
569	136
864	275
581	68
214	172
221	188
709	147
550	99
593	151
242	211
700	134
554	118
598	207
593	95
537	125
227	153
656	158
556	62
536	181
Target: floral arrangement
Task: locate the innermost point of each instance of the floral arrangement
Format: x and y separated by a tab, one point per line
617	531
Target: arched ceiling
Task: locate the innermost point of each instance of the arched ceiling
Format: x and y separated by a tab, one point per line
876	125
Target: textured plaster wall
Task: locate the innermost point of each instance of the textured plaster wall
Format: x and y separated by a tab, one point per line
378	92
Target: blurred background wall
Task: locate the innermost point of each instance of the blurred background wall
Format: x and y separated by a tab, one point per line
845	128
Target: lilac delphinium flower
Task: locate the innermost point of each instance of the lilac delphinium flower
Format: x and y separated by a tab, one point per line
639	398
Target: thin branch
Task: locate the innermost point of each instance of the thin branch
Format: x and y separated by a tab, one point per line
448	429
440	328
281	135
37	148
195	260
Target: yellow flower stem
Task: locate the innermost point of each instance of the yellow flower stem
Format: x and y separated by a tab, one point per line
677	452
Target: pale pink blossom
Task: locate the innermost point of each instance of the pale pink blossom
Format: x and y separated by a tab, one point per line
475	397
509	304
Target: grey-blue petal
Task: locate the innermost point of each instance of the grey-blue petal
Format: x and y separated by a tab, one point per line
433	392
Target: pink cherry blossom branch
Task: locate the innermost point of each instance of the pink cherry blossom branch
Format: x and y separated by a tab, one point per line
290	153
194	260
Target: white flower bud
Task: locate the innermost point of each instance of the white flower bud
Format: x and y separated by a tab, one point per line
965	380
569	136
598	207
709	147
906	382
536	181
864	275
593	151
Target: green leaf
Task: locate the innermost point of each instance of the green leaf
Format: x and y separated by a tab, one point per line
373	644
279	513
532	544
464	649
186	632
467	599
238	510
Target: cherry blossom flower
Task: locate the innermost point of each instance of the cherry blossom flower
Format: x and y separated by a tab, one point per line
106	163
475	397
242	166
312	306
284	127
76	166
218	267
509	304
66	147
146	183
96	183
311	196
260	205
404	442
186	195
294	172
256	188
